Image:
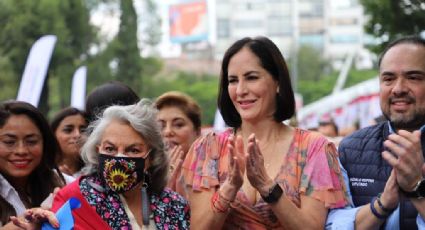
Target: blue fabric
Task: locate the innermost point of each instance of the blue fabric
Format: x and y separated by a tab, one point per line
64	216
344	219
420	222
368	172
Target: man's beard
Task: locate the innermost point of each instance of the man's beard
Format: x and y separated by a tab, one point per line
410	122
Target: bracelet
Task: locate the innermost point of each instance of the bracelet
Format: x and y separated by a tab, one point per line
374	211
232	204
216	205
223	198
385	209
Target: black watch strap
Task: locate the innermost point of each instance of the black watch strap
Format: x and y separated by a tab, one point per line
418	191
275	193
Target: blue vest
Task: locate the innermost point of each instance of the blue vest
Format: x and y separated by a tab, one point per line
360	154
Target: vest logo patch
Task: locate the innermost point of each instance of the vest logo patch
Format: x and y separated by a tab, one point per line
361	182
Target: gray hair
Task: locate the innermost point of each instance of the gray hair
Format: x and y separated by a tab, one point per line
142	118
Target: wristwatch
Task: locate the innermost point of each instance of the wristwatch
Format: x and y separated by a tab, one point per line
275	193
418	191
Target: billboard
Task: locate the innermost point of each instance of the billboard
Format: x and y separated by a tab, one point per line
188	22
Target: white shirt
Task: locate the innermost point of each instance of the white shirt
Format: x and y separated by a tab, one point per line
11	196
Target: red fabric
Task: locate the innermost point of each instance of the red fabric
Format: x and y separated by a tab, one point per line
85	217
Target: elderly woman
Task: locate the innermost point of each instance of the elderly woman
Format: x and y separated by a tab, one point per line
28	171
260	173
125	175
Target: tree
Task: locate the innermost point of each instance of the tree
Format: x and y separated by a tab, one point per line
129	61
151	25
8	85
392	19
311	65
23	22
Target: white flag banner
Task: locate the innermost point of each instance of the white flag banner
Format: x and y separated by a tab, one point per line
219	124
78	91
36	69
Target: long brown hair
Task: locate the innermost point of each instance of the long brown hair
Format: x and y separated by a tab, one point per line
46	176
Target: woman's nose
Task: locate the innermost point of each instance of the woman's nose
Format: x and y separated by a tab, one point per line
76	133
241	88
21	148
168	131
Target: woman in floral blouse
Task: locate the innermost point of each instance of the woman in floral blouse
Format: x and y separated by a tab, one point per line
125	175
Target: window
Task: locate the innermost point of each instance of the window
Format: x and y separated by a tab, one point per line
279	25
223	29
248	23
344	38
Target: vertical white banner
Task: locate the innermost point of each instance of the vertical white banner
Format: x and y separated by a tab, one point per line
36	69
219	124
78	91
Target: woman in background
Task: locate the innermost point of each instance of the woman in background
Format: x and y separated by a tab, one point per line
28	171
68	126
180	119
107	94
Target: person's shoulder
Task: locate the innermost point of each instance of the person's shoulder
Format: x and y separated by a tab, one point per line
68	179
214	134
71	188
213	137
308	137
368	138
368	133
169	196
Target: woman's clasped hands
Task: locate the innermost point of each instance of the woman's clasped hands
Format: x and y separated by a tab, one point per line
249	161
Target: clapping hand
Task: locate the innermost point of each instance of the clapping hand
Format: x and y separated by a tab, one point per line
236	167
406	158
390	195
255	169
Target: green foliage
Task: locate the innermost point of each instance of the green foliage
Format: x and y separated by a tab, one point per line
8	85
314	90
357	76
152	30
203	89
389	20
311	65
127	53
23	22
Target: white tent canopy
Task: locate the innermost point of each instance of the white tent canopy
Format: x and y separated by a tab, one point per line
341	99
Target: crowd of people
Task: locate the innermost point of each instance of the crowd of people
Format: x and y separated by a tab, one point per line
139	164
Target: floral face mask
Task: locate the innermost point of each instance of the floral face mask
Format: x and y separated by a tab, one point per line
121	174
